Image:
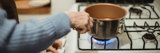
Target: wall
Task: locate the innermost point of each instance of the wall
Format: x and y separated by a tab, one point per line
61	5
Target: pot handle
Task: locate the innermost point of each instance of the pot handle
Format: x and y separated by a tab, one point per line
93	29
100	23
88	25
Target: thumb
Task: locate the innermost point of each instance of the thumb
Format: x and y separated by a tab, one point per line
53	50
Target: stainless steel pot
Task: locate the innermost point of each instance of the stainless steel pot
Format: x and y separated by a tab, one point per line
106	19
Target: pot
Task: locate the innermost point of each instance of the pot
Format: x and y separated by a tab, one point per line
106	18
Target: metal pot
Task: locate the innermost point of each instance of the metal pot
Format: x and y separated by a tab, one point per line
106	19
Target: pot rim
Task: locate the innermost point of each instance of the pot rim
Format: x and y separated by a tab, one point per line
114	5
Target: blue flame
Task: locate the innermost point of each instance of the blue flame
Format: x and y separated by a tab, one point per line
110	41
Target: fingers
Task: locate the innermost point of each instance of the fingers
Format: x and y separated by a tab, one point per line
85	13
57	44
90	24
86	24
53	50
82	29
81	21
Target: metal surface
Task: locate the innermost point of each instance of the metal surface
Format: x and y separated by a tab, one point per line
107	18
105	29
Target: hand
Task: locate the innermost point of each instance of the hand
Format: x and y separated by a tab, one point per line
56	45
81	21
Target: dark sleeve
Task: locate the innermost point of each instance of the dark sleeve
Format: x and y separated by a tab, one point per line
33	36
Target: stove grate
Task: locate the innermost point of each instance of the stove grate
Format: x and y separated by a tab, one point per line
146	28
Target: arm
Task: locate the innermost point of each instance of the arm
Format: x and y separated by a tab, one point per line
34	36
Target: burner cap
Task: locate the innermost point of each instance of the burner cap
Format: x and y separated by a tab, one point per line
149	36
151	30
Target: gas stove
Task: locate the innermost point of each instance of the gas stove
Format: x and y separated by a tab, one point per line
140	30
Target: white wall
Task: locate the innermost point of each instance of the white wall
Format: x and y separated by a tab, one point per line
61	5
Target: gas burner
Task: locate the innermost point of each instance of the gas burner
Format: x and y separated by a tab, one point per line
100	44
150	30
149	36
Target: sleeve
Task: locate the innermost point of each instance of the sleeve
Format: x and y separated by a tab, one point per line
34	36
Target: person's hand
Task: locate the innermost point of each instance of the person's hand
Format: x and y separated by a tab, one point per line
56	45
81	21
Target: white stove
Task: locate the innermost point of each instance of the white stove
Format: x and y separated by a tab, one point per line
140	20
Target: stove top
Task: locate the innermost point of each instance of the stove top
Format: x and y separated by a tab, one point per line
139	31
116	1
